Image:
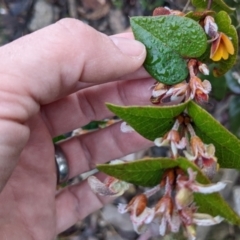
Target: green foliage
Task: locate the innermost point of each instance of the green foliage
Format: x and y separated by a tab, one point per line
168	40
148	172
217	5
211	131
150	121
214	205
172	40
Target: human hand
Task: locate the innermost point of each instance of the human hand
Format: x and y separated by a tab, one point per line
54	81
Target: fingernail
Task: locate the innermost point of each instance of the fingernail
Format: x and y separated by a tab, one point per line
129	47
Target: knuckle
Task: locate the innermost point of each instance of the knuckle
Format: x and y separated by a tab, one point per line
72	26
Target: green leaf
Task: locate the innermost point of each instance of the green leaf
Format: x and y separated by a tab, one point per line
219	87
234	113
217	5
169	39
145	172
149	172
214	205
211	131
150	121
223	21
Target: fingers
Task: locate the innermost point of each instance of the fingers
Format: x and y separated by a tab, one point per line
87	150
13	137
49	63
75	203
79	109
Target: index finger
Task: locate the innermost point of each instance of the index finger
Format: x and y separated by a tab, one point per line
49	63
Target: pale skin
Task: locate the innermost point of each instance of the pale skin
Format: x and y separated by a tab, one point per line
49	85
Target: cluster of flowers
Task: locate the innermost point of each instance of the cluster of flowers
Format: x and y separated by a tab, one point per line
194	88
182	136
176	208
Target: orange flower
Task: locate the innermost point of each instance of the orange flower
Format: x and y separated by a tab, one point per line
221	48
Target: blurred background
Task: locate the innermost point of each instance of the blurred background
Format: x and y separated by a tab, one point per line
20	17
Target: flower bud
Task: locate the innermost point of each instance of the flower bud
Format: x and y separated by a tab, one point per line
161	11
184	198
210	27
203	69
112	187
140	214
139	203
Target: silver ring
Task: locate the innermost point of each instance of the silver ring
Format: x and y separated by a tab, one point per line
62	165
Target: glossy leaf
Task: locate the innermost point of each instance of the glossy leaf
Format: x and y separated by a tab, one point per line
146	172
169	39
150	121
217	5
211	131
223	21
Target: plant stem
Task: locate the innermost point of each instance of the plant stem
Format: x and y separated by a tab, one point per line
209	4
186	6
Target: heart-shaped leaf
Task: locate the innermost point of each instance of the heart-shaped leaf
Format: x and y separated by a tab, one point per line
223	21
217	5
148	172
211	131
145	172
169	39
150	121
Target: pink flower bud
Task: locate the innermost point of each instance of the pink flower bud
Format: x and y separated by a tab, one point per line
210	27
